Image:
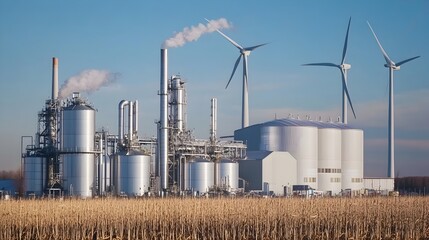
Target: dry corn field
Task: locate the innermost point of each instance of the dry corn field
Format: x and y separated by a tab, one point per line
240	218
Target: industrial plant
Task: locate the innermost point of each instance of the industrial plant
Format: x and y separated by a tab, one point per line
68	157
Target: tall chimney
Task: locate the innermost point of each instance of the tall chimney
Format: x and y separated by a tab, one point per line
163	131
54	78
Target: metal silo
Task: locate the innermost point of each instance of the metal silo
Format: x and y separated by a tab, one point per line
132	173
78	133
200	175
177	101
227	174
329	165
300	139
35	175
352	159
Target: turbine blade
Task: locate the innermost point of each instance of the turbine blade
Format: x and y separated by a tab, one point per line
254	47
405	61
228	38
233	71
345	43
343	77
322	64
386	57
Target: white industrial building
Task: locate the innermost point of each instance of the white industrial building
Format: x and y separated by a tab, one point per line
268	171
329	156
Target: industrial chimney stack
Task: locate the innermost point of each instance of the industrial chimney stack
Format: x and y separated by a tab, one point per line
163	127
54	78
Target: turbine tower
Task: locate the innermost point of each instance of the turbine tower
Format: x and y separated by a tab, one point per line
244	53
343	67
391	128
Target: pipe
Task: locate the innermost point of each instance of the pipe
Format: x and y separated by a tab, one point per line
54	78
130	122
163	135
107	165
121	106
101	167
213	122
135	117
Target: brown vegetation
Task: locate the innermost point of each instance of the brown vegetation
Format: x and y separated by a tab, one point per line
277	218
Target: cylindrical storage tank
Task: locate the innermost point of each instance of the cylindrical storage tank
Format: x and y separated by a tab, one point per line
177	101
329	165
200	175
352	159
227	174
300	141
132	173
78	133
35	175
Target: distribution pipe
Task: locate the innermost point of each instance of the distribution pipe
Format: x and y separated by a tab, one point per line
122	104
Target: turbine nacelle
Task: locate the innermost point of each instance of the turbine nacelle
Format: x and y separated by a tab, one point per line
345	66
394	67
245	52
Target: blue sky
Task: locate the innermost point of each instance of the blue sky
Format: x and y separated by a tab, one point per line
125	38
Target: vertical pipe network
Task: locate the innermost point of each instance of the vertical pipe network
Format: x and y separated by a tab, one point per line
54	78
107	164
130	122
213	122
135	116
121	106
101	167
163	135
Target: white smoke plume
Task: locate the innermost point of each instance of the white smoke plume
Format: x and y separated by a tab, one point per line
87	81
190	34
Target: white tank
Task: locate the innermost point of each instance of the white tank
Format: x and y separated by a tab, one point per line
352	159
200	175
77	146
329	166
132	174
300	141
227	174
35	175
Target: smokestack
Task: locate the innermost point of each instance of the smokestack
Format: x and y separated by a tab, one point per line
213	119
54	78
163	131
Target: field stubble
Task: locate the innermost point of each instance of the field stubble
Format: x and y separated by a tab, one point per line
220	218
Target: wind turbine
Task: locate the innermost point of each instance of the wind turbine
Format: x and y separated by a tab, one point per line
391	128
244	53
343	67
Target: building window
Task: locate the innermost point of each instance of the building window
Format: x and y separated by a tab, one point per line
356	180
329	170
336	180
309	179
